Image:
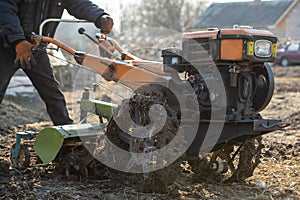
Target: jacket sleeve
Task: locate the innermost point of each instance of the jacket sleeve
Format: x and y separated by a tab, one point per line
84	9
10	26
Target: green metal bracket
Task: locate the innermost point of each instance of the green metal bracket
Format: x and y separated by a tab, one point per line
101	108
50	140
15	151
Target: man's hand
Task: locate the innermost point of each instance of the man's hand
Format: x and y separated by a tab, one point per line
24	57
105	23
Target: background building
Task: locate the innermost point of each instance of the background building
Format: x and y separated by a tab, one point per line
280	17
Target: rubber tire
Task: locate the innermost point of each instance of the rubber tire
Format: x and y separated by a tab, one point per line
263	96
284	62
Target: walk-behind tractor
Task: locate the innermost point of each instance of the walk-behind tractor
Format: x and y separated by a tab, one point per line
199	107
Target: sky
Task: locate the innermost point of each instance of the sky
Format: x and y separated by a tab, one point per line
113	7
223	1
114	4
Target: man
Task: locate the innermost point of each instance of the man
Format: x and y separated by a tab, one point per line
18	19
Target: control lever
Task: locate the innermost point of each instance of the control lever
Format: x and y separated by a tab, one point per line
101	38
81	31
109	43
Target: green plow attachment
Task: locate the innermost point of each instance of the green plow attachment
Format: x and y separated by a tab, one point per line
50	139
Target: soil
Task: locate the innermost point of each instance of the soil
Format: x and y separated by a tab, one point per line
277	176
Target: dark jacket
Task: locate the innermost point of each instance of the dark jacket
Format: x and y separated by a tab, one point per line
19	18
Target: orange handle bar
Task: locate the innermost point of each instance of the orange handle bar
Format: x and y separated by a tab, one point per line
39	39
133	74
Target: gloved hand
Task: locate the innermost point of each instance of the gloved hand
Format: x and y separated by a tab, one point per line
24	57
105	23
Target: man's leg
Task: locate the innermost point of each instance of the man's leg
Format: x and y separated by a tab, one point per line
7	68
42	77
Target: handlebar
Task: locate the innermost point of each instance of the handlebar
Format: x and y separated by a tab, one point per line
105	43
133	73
38	39
59	20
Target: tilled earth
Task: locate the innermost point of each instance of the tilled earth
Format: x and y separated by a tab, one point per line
277	176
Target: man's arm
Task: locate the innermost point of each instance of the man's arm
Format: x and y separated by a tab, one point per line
12	31
85	9
9	22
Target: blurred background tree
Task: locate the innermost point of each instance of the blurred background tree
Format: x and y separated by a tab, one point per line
171	14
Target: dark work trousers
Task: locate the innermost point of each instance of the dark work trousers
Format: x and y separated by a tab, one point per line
42	78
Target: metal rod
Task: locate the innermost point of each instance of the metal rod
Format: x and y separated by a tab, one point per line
60	20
